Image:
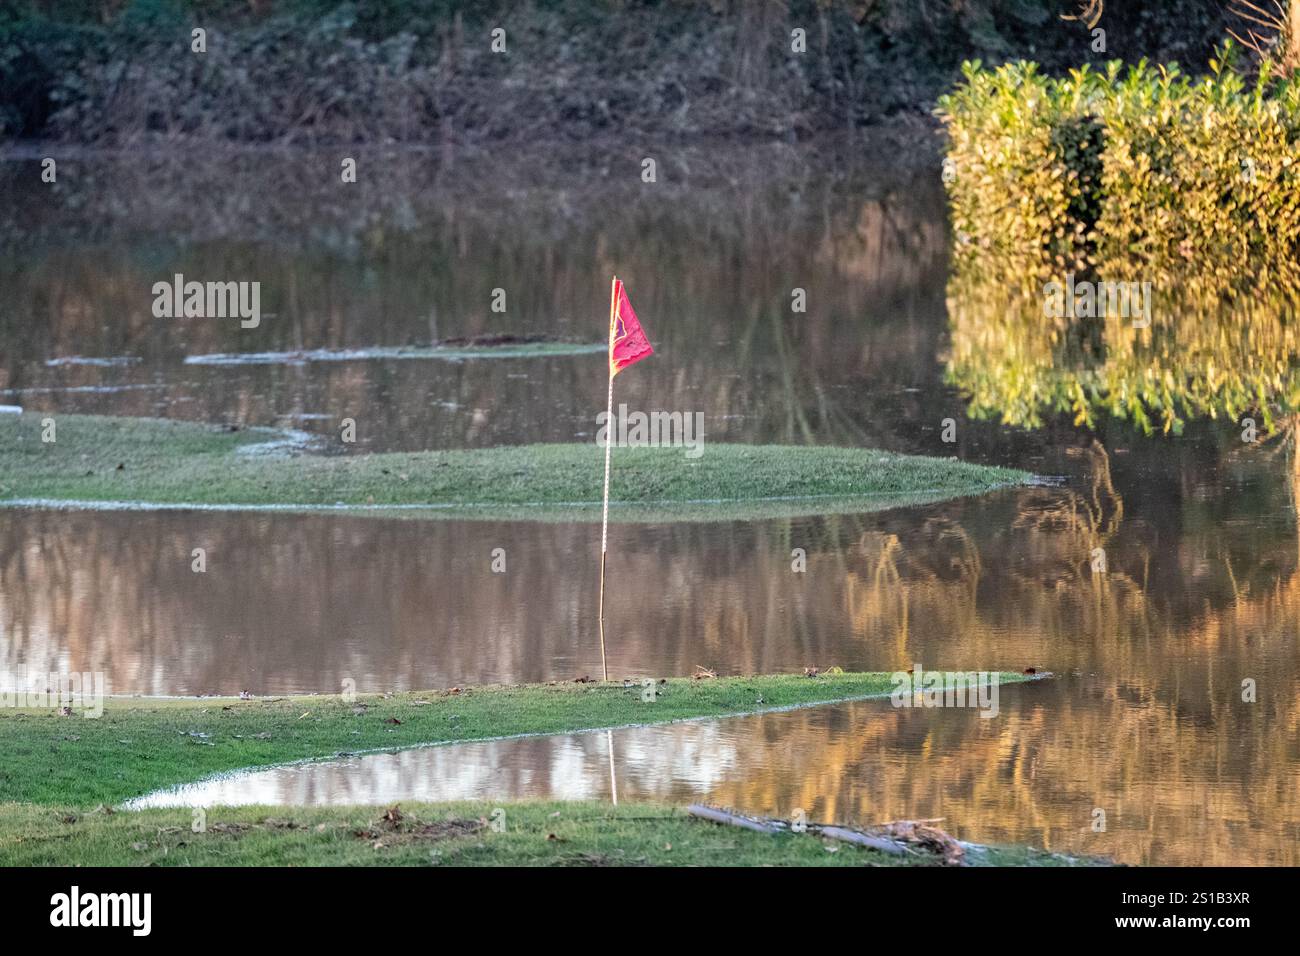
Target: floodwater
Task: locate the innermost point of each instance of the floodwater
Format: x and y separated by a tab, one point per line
1144	721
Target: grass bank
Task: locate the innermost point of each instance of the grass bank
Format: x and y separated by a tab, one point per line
99	460
460	834
140	745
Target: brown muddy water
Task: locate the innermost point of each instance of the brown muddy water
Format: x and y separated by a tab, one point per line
1145	719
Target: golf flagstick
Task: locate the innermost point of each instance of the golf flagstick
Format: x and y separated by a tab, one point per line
609	441
627	346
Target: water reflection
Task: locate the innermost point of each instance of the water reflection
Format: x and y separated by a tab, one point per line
1191	358
1173	795
714	268
298	603
1199	531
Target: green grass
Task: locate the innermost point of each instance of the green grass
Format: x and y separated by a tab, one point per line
535	834
62	775
98	460
142	744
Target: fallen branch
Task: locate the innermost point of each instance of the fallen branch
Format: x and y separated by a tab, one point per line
917	833
732	819
900	838
861	839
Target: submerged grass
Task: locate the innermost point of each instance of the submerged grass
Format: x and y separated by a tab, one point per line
97	459
448	352
140	745
455	834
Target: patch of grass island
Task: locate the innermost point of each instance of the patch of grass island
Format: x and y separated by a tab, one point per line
64	775
98	461
138	745
452	350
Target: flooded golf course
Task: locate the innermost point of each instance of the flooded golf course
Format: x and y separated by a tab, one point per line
1198	590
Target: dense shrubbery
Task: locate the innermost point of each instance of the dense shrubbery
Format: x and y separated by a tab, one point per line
325	81
420	70
1144	174
1141	175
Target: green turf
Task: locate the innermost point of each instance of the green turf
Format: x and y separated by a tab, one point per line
460	834
142	744
100	459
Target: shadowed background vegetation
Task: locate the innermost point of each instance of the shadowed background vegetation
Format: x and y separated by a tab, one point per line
421	71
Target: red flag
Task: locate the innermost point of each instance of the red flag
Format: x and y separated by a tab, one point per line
627	342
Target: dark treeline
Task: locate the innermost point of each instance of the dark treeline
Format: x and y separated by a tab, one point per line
424	71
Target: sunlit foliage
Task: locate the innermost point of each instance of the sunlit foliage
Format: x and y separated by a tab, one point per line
1191	186
1145	174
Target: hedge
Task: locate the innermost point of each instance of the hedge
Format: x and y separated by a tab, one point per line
1146	174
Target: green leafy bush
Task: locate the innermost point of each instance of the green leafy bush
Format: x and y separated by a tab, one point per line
1147	174
1188	186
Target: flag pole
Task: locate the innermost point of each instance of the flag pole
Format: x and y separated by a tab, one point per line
609	441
